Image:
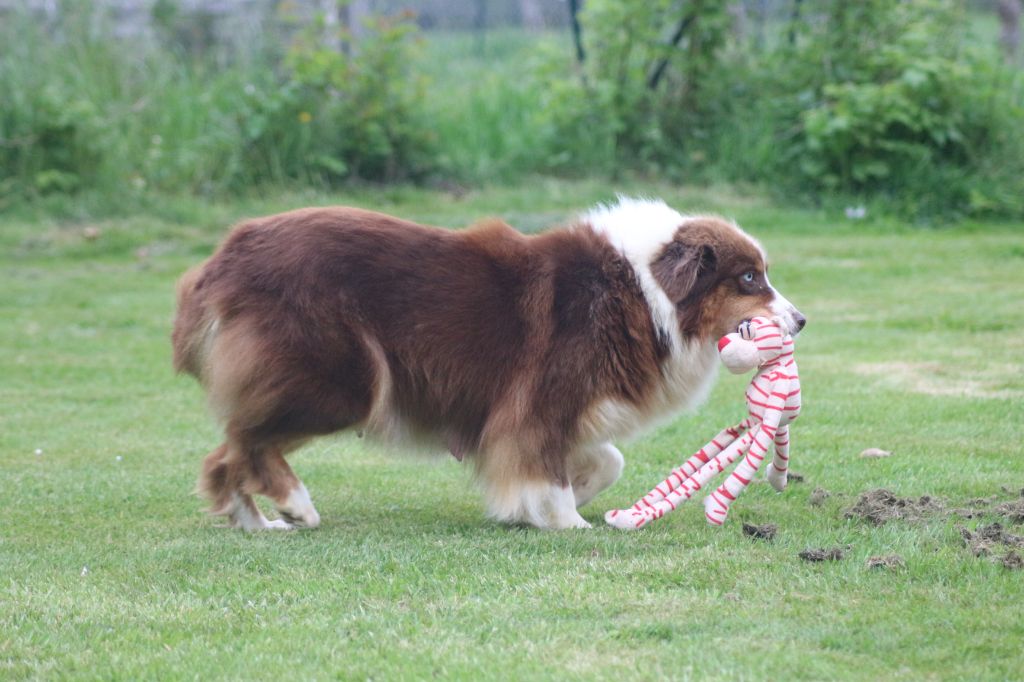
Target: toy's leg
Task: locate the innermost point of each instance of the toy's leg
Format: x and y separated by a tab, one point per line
716	505
633	518
712	449
778	472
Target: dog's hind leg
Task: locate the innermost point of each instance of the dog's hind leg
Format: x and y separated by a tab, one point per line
238	469
268	474
220	482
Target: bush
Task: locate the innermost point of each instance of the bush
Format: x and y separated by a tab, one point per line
639	91
84	111
871	100
52	134
336	114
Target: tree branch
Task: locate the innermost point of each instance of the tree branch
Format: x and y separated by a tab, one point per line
659	70
577	31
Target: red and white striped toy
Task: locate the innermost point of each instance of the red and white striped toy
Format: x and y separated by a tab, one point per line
773	402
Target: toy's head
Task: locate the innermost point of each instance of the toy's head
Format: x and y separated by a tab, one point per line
756	343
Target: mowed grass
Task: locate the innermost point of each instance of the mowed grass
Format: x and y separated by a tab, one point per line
108	568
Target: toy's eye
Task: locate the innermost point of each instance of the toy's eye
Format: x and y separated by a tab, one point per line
747	277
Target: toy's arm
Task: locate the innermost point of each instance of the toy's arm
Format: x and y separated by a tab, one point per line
640	516
692	465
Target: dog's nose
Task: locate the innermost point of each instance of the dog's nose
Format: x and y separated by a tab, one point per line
800	320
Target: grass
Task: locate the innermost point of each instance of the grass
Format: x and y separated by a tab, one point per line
109	570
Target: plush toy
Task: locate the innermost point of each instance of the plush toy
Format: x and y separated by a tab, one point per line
773	402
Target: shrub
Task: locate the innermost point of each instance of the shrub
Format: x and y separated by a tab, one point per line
636	96
336	114
874	99
52	134
871	100
83	110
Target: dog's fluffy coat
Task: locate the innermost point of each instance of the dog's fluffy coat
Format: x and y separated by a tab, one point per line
527	355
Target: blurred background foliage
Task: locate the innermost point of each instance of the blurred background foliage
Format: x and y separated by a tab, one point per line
916	106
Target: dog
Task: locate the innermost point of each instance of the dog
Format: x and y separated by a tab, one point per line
525	355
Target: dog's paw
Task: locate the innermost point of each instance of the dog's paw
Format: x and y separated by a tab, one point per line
298	510
278	524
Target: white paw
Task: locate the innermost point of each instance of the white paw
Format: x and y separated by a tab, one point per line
573	520
278	524
298	509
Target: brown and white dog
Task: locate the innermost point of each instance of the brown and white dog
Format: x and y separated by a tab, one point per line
527	355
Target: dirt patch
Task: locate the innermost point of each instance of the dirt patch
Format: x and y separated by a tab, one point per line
890	561
881	506
875	452
818	497
764	532
984	539
975	508
1012	561
830	554
794	477
971	513
1012	511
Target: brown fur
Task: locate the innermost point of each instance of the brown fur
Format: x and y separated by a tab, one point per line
700	271
486	342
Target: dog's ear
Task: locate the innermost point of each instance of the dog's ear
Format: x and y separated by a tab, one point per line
685	270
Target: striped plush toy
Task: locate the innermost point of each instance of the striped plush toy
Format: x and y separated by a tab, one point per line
773	402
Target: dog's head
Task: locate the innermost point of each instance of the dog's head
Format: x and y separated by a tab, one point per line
716	275
702	273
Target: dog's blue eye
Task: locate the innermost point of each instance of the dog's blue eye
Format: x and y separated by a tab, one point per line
748	277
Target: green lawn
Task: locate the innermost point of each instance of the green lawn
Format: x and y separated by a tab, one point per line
109	570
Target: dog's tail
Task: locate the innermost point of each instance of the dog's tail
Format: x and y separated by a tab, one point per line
195	325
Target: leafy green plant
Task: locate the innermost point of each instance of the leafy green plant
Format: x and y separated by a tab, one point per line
51	132
636	96
873	100
356	110
864	133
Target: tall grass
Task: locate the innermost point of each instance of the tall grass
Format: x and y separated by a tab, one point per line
501	106
87	112
94	124
124	118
